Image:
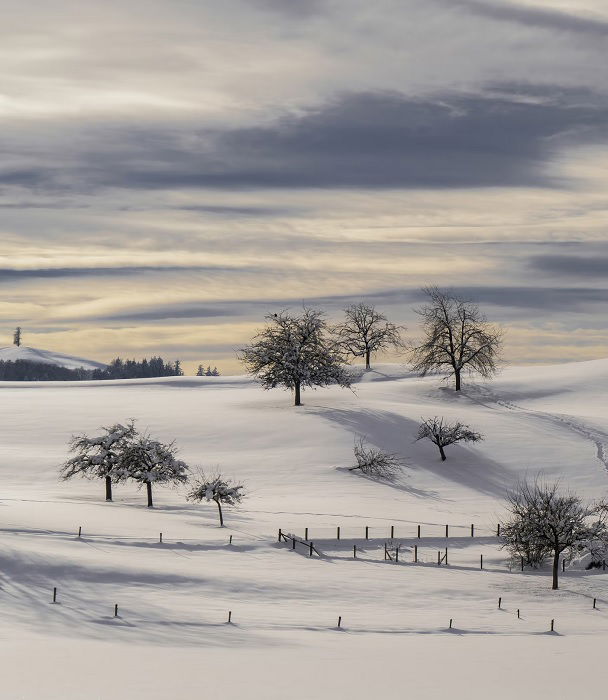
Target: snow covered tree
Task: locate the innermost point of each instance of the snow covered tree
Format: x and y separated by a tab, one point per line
215	372
149	461
216	488
200	372
457	338
295	352
366	331
17	336
545	523
443	434
100	457
374	462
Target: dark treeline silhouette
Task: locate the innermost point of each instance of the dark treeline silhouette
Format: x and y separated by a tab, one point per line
27	371
138	369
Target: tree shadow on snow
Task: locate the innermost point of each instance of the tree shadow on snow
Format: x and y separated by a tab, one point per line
397	434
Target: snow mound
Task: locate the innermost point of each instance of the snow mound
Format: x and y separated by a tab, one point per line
13	353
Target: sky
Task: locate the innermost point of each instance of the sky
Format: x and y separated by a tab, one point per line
173	170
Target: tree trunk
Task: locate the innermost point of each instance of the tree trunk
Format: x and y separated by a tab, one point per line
442	453
108	488
367	359
555	570
149	490
298	402
219	507
457	375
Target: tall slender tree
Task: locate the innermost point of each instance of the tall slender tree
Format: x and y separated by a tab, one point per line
457	338
100	457
17	336
366	331
295	352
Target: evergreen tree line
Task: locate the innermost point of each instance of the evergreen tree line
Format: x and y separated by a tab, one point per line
138	369
28	371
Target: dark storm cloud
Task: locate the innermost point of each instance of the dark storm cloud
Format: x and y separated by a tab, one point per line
505	137
571	265
550	19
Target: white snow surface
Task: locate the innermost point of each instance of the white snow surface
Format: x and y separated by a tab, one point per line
171	638
48	357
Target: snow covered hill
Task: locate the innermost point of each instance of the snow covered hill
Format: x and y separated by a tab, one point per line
14	352
170	638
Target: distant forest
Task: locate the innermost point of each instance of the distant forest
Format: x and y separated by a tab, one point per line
28	371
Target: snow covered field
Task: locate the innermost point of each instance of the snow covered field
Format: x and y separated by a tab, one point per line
171	638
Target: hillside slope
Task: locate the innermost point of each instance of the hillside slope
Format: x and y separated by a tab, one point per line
174	596
48	357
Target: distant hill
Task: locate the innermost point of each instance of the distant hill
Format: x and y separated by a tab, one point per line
12	353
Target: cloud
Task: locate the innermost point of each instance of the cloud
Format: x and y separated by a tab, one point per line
527	15
505	136
571	265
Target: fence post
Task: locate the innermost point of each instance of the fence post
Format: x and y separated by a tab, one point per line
500	603
338	533
522	563
116	610
438	558
230	541
418	531
498	530
280	535
604	565
450	623
230	616
305	533
392	531
518	613
79	530
397	555
54	595
293	542
594	601
367	532
552	625
481	561
415	554
563	566
160	537
447	531
472	530
311	550
354	551
339	621
446	556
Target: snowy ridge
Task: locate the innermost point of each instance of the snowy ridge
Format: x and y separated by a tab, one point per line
47	357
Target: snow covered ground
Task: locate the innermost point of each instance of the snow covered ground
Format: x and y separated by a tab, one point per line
171	637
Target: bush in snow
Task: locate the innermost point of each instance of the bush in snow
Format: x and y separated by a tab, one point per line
150	462
216	488
100	457
457	338
366	331
295	352
443	434
374	462
545	523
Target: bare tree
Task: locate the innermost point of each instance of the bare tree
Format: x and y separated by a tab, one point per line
149	461
457	338
17	336
443	434
366	331
374	462
100	457
545	523
295	352
216	488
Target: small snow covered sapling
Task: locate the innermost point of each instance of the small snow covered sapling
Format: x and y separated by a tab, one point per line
216	488
374	462
149	461
443	434
99	457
